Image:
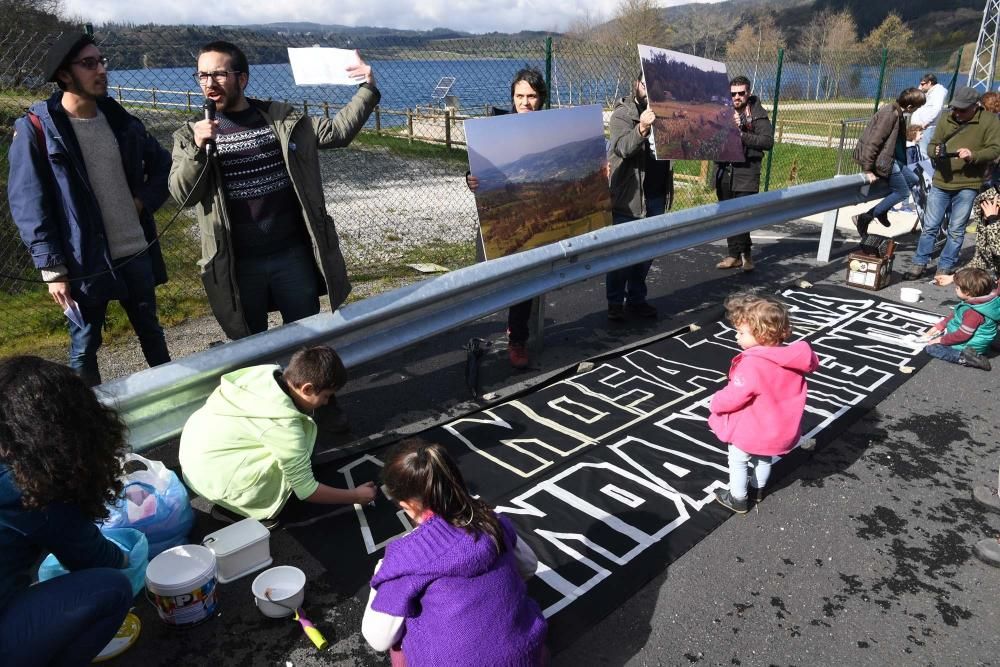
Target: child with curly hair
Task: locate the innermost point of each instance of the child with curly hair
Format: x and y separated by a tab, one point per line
60	467
759	413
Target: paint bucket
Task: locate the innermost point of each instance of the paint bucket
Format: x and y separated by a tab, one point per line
288	586
182	583
909	294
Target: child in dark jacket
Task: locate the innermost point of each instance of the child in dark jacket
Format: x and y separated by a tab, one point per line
452	589
965	337
759	413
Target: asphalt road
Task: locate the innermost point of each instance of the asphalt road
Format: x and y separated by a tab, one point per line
862	555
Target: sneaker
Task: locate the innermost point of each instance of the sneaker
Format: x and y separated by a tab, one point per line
757	494
884	220
518	354
916	272
747	262
616	312
861	222
987	497
973	359
726	499
729	263
988	551
640	310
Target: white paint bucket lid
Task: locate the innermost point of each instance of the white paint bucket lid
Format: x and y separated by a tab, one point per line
180	570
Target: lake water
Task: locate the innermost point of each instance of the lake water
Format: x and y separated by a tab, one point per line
482	82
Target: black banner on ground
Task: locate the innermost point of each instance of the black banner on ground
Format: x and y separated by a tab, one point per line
609	472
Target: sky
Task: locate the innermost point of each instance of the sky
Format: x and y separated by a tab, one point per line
467	15
503	139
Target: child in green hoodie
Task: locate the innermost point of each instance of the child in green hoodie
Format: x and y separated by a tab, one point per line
249	447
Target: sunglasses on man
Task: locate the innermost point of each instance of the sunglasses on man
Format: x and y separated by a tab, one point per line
738	93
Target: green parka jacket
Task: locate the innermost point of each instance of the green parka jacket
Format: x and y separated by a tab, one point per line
300	138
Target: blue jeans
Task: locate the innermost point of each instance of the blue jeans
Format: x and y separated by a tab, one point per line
944	352
938	202
739	461
901	178
139	306
287	278
64	621
630	283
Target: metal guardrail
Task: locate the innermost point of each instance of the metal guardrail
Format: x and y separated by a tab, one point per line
156	402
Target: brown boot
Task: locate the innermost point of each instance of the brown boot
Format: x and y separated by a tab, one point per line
747	262
729	263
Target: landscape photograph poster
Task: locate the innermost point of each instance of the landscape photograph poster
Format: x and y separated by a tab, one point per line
694	113
542	177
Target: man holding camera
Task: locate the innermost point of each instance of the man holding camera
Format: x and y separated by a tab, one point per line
965	143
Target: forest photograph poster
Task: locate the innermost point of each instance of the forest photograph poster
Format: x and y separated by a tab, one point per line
694	113
542	177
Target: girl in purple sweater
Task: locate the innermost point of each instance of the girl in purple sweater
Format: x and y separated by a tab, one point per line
452	591
759	413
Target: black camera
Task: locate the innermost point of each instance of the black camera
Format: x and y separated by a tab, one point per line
941	152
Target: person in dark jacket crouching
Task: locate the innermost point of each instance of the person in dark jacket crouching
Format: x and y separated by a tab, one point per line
60	466
738	179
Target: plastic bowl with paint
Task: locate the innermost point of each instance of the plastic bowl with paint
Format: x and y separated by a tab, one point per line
909	294
287	585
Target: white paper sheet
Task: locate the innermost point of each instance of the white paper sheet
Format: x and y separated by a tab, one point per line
322	66
73	314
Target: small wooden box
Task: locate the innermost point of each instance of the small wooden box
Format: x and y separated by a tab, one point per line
868	271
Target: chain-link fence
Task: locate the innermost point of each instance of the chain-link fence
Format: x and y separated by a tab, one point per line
397	194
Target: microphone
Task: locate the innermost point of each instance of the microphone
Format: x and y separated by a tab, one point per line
209	107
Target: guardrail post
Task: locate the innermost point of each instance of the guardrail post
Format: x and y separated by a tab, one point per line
447	128
119	94
153	94
378	119
326	109
189	100
536	326
409	126
305	107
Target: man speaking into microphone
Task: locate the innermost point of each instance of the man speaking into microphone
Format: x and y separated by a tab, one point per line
267	242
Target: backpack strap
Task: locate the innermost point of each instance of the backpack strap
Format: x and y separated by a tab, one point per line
36	122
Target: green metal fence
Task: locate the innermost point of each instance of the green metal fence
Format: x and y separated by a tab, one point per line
397	194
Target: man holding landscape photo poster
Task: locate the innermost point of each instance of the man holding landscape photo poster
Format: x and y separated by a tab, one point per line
739	179
641	187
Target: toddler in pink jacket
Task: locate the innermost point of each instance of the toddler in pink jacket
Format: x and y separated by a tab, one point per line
759	413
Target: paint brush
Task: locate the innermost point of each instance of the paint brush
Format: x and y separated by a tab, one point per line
307	627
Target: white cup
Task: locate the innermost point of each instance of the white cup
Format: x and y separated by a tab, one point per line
909	294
